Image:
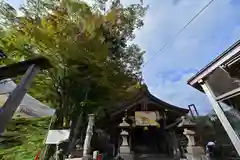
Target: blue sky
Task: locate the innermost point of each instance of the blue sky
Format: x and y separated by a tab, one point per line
210	34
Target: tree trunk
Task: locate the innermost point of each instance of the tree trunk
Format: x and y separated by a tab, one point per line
49	152
74	133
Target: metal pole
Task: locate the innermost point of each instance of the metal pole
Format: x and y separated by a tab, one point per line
16	97
223	119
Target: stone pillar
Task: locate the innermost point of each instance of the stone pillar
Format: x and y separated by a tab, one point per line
88	138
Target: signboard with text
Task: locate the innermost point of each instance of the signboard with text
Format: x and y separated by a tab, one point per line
146	118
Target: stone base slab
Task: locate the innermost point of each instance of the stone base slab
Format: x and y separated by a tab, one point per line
192	157
82	158
195	150
127	156
125	150
195	153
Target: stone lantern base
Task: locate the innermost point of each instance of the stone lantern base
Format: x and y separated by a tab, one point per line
125	150
195	150
195	153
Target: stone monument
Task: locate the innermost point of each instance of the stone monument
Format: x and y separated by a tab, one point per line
88	138
194	152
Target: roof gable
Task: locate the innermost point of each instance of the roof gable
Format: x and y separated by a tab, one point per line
145	96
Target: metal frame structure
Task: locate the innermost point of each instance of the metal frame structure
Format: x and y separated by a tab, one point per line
199	81
30	68
193	109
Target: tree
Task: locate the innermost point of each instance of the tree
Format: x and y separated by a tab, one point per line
93	64
212	130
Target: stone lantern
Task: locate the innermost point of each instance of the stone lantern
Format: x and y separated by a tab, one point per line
124	147
194	152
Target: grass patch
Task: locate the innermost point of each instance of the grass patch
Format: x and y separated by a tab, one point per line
23	138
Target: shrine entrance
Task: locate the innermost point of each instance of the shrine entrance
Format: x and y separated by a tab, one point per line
145	124
147	140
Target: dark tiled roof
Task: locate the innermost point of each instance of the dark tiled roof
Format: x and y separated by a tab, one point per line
115	113
144	93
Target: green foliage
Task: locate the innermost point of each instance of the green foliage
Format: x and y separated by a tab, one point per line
211	130
88	46
23	138
208	130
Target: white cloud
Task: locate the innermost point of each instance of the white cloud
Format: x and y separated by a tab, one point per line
206	37
176	93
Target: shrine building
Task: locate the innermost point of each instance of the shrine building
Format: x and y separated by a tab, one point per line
149	125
